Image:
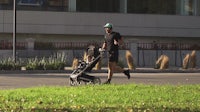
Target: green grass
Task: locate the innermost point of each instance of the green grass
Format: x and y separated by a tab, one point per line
103	98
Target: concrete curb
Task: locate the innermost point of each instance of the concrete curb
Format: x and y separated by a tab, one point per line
104	70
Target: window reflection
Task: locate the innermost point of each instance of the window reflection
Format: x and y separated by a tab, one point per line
187	7
50	5
31	2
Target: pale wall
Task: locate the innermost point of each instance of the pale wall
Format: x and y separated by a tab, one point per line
43	22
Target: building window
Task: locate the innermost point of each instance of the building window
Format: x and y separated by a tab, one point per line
2	2
6	4
98	5
50	5
58	5
151	6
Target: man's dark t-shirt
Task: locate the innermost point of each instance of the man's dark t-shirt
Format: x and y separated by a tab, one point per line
111	47
109	39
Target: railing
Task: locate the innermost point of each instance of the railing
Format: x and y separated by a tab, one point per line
62	45
168	46
68	45
7	45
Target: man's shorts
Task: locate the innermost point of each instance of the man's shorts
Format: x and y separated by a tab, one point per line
113	56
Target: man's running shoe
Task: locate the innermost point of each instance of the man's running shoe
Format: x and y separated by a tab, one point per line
107	82
127	73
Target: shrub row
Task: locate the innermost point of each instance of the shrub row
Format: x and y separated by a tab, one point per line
56	62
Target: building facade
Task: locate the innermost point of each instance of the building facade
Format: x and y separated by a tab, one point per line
139	21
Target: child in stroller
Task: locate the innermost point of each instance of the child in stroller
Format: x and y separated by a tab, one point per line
79	75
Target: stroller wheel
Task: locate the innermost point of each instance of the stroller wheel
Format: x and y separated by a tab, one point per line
96	80
74	82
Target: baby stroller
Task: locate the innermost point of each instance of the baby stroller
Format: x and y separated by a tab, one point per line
80	75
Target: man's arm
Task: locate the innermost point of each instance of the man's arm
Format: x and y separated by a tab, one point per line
119	42
104	45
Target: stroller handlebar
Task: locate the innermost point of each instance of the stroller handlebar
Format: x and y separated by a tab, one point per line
101	50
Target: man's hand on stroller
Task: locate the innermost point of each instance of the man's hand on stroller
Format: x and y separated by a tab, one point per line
101	50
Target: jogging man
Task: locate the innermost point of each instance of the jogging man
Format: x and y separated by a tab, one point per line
111	44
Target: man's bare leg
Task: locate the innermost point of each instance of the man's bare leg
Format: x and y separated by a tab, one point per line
112	66
120	69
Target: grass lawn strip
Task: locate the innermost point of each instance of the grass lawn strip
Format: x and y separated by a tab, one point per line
131	97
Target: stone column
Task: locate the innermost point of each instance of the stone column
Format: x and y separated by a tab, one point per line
72	6
123	6
134	50
30	45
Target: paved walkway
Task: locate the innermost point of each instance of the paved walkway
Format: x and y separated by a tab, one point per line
26	80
